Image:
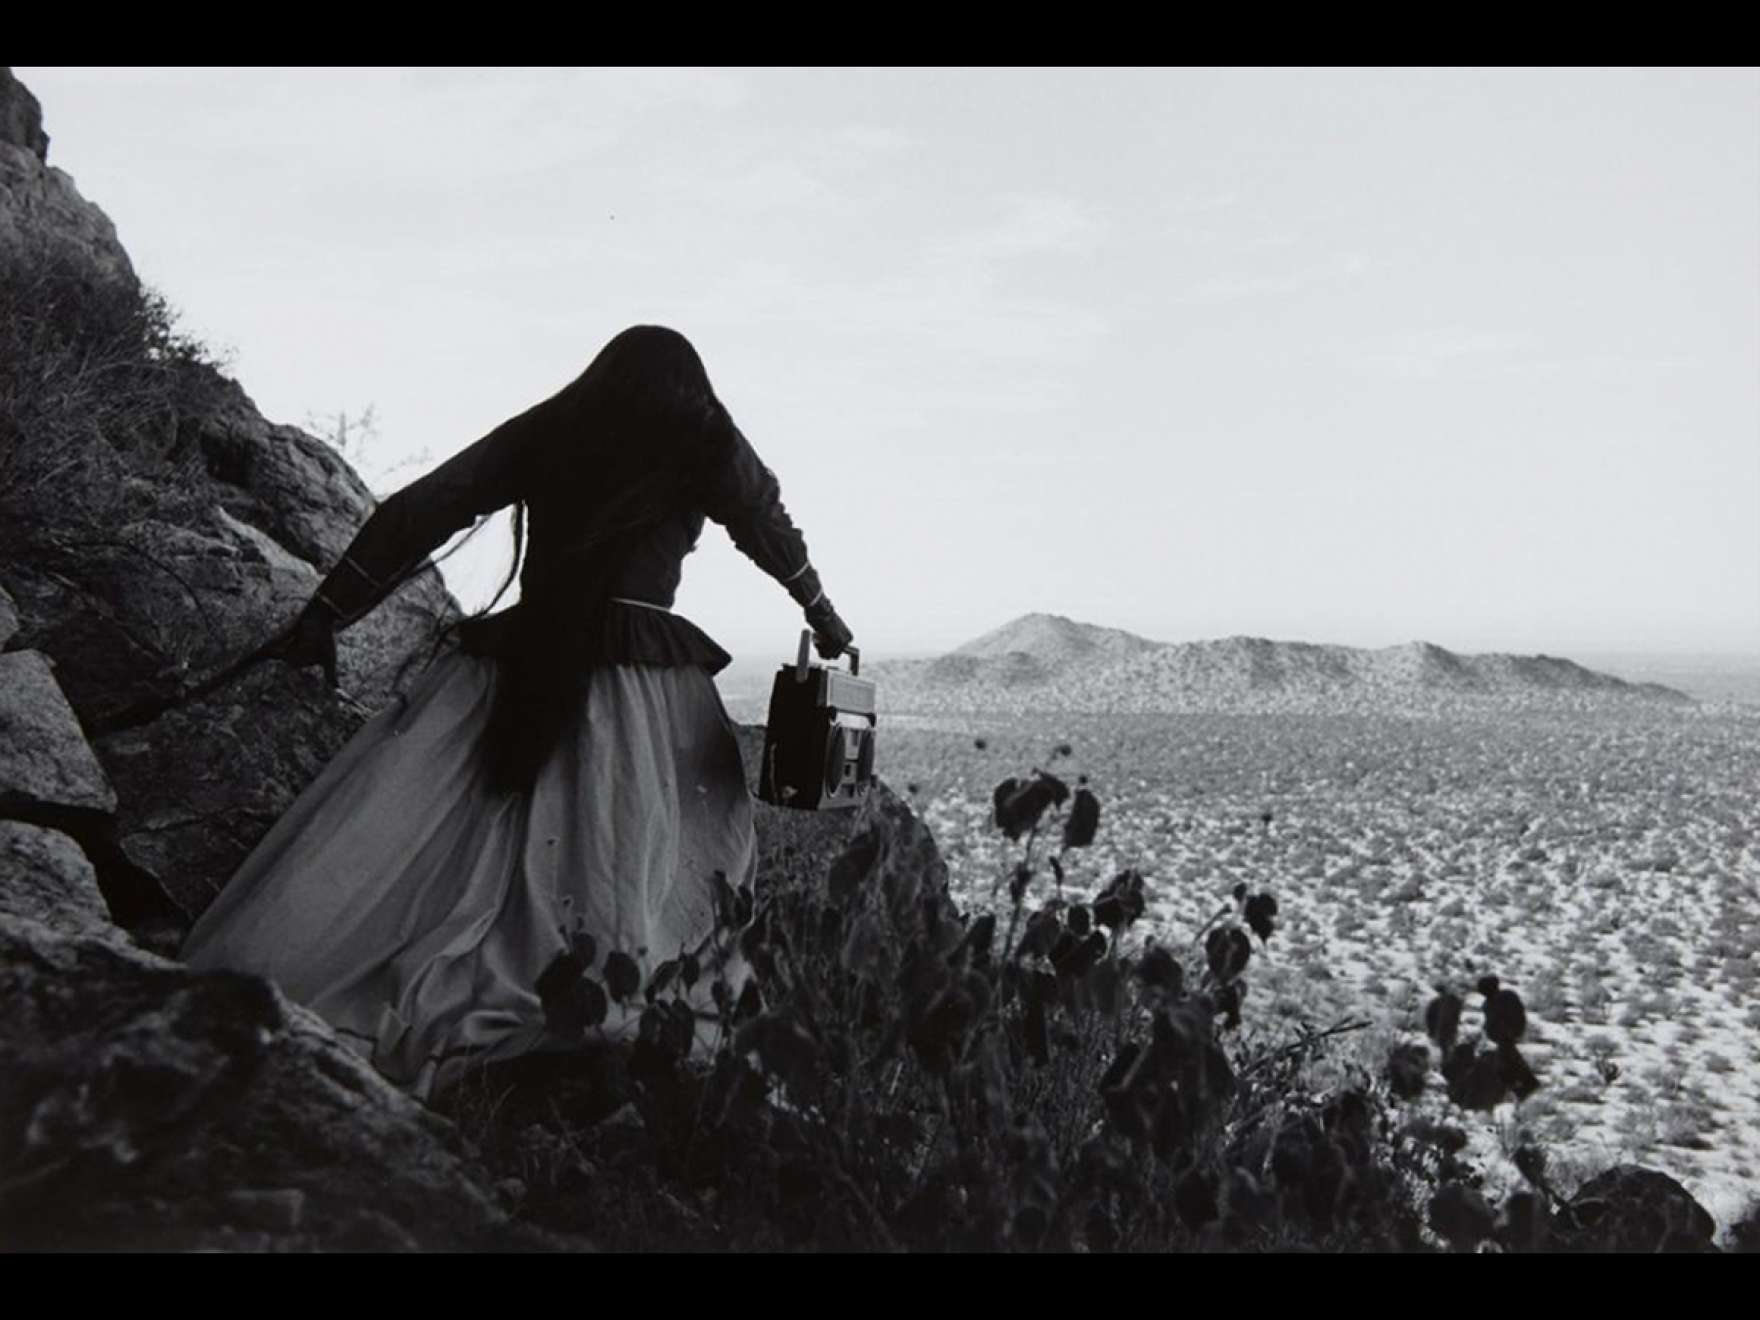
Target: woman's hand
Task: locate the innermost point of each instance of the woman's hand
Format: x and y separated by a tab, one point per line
309	640
830	633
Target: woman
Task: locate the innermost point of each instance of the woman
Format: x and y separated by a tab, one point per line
568	766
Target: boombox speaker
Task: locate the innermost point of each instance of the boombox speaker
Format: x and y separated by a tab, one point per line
819	740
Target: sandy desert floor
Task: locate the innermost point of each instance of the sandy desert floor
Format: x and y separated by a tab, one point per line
1607	867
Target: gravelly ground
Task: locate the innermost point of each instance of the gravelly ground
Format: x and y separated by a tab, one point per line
1607	866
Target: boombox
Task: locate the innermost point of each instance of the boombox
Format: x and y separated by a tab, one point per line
819	739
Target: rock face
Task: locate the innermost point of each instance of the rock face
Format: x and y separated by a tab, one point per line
203	782
158	528
219	538
50	777
46	877
21	117
46	767
1631	1208
149	1107
150	532
37	197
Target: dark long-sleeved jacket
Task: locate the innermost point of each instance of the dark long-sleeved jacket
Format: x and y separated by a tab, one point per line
636	530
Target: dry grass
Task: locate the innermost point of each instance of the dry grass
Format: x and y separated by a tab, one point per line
95	380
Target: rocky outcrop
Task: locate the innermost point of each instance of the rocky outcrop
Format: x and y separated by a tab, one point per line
145	1106
21	117
231	535
1631	1208
156	528
152	531
288	504
203	782
49	777
35	197
46	767
46	877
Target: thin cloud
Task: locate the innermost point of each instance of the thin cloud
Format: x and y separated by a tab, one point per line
968	317
872	139
428	130
1430	353
1031	226
1203	204
752	189
1239	287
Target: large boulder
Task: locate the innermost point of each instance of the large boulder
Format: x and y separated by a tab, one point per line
1631	1208
50	777
207	545
214	567
46	767
204	781
147	1106
136	621
290	502
44	876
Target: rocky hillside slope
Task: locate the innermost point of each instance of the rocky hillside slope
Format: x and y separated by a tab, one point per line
153	525
1044	662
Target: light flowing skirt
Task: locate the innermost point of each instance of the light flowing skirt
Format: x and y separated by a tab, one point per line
414	910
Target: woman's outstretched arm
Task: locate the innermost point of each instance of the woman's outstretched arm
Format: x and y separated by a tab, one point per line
410	524
744	496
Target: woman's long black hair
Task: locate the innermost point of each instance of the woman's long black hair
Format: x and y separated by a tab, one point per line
622	446
636	422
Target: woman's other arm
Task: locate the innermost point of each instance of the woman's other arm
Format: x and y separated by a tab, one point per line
744	496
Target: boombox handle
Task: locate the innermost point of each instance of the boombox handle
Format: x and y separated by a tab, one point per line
800	663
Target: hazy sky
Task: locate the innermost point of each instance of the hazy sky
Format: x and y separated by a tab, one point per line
1340	356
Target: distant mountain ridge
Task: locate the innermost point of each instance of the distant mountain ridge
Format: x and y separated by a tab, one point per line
1049	662
1033	649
